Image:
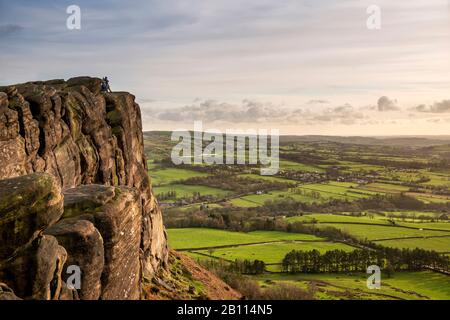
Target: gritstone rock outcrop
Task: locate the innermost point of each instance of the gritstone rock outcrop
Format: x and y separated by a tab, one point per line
74	190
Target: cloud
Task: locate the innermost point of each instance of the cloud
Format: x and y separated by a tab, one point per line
437	107
344	114
251	111
228	50
420	108
7	29
213	111
317	101
385	104
314	118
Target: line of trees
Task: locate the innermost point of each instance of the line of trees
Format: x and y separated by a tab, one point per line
169	195
248	266
237	266
388	259
380	202
239	185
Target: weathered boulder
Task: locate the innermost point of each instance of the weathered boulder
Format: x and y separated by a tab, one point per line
84	246
117	213
68	293
3	100
28	205
79	135
34	271
6	293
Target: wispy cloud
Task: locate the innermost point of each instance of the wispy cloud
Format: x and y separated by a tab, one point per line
437	107
9	29
385	104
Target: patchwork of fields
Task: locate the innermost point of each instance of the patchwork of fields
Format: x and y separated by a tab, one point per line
267	246
257	245
317	177
171	179
429	236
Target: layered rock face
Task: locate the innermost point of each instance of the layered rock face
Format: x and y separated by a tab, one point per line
74	190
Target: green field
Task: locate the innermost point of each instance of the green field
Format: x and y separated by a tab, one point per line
308	193
370	229
339	190
266	178
355	166
373	232
410	215
334	218
436	244
319	171
188	190
290	165
424	285
437	178
428	225
275	252
170	175
410	219
306	197
386	187
256	200
202	237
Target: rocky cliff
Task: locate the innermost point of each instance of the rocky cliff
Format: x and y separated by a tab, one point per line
74	191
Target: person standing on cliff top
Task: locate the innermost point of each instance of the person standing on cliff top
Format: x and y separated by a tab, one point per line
105	85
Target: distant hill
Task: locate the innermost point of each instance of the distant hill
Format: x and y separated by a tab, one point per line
413	141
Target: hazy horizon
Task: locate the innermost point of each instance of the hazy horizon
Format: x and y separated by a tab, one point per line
436	136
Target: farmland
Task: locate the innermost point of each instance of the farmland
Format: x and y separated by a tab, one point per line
424	285
170	175
267	246
202	237
273	253
327	196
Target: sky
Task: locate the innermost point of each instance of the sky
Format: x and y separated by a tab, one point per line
299	66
